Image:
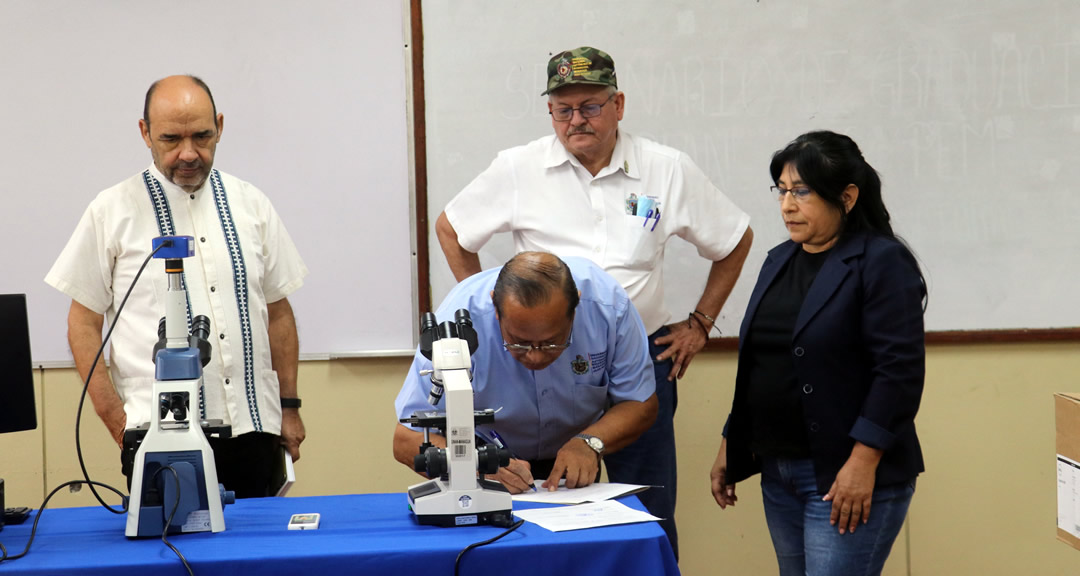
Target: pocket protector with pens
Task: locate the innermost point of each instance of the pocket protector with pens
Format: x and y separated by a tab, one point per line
649	208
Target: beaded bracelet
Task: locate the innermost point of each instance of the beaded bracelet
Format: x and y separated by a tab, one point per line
699	324
706	316
712	322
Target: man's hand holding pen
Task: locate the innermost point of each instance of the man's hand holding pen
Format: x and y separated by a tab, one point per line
516	476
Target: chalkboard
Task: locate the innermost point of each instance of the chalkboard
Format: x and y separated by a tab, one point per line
314	98
969	109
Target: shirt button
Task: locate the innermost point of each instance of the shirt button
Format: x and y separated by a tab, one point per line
807	389
597	249
799	351
599	218
226	381
543	392
202	239
222	335
213	289
813	426
192	196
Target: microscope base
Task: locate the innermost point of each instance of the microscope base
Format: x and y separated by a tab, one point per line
434	504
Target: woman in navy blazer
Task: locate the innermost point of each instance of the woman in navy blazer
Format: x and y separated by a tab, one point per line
831	368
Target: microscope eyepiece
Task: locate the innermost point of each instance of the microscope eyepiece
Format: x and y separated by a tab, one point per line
448	330
428	333
200	327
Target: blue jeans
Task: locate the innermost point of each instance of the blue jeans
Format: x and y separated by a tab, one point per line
650	460
798	521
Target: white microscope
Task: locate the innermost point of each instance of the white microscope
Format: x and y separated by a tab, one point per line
174	481
457	494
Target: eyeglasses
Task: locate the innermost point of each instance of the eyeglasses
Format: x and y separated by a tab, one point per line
800	194
543	348
587	111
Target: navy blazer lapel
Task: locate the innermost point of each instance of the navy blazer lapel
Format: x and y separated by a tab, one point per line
829	279
774	263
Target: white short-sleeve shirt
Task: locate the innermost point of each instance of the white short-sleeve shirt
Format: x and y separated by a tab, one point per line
550	202
244	259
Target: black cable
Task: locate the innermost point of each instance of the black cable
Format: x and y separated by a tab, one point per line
86	386
78	446
165	532
41	511
457	563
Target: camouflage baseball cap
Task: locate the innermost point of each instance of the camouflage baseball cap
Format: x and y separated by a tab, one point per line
583	65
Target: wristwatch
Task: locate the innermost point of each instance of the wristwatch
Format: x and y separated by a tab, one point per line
290	402
592	442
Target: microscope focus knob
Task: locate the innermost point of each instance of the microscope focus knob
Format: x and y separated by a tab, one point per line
489	459
431	462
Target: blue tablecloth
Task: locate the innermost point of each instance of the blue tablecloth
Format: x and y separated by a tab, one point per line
359	534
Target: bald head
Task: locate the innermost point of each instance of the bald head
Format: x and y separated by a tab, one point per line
534	278
182	128
174	83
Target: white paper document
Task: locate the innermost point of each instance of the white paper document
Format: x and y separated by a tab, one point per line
606	513
285	474
1068	479
597	492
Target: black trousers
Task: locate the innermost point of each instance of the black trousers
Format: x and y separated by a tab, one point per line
245	463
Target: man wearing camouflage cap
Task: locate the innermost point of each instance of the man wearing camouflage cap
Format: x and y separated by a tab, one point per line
594	191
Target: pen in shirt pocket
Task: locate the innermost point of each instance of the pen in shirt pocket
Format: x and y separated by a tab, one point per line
654	215
499	443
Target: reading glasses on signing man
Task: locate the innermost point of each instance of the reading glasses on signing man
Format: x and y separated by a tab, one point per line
799	193
543	348
587	111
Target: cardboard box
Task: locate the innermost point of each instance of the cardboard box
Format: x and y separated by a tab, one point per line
1067	423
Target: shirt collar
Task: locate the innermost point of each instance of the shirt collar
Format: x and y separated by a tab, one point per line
623	157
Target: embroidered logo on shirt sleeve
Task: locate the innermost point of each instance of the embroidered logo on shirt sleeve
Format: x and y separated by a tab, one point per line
599	361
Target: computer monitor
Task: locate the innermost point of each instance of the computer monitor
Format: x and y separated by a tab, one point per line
17	410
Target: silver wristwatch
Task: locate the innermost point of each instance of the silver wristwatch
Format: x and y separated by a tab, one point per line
592	442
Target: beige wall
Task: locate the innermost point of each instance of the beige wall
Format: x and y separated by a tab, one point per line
986	504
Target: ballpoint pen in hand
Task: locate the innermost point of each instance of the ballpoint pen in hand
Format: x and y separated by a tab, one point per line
498	441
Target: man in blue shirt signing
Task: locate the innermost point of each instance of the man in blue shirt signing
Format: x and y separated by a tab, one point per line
563	353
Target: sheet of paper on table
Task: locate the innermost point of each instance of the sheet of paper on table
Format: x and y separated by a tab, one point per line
597	492
592	515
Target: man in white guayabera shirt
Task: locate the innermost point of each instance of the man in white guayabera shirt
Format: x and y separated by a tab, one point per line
244	268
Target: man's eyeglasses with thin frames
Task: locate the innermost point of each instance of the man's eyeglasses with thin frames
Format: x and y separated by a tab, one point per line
543	349
587	111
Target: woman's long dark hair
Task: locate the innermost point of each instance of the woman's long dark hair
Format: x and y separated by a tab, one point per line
828	162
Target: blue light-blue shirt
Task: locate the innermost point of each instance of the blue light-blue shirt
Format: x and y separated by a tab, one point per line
608	361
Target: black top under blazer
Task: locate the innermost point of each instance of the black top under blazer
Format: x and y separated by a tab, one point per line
860	358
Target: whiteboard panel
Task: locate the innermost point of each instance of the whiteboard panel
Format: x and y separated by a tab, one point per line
314	99
969	109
